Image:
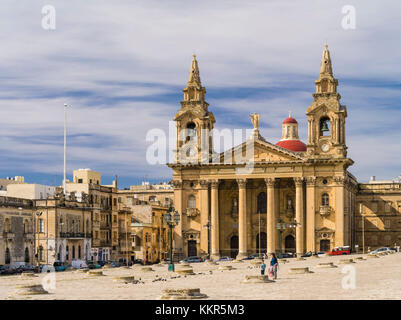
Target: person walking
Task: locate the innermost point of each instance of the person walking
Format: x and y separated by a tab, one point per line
262	268
273	266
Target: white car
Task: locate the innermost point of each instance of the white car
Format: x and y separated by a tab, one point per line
384	249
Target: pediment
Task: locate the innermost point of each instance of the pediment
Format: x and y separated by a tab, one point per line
258	150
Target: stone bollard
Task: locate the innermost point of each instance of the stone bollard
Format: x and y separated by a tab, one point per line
226	268
326	265
300	259
360	258
126	279
30	290
237	261
282	260
81	270
28	274
95	273
146	269
184	264
107	266
256	262
346	261
184	269
370	256
299	270
182	294
256	279
313	256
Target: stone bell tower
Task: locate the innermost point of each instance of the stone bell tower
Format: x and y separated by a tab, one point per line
194	122
326	116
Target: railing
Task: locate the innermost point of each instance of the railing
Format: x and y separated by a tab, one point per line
73	235
324	210
192	212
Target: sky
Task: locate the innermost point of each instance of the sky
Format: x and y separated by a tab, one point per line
121	67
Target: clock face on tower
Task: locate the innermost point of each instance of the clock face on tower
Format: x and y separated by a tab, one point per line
325	147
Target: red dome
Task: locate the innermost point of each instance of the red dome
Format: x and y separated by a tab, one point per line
292	145
290	120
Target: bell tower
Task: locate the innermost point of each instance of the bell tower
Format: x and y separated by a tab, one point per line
326	115
194	122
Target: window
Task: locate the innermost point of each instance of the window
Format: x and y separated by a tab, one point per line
387	223
80	181
192	201
79	252
41	226
325	199
387	207
41	255
26	226
262	203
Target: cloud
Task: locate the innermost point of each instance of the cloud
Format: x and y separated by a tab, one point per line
122	65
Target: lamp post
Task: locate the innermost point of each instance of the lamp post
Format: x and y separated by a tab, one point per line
37	214
172	219
208	226
281	226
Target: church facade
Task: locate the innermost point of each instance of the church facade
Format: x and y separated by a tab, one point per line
260	196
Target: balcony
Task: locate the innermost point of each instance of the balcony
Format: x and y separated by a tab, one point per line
8	235
192	212
29	236
96	224
73	235
325	210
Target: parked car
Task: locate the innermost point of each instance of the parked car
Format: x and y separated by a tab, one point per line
32	268
79	264
192	259
102	263
93	265
339	251
7	270
225	258
60	266
286	255
383	249
47	268
309	254
138	261
253	256
115	264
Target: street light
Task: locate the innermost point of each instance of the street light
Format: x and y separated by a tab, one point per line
38	214
172	220
281	226
208	226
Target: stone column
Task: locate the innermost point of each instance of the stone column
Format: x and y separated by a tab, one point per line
204	215
339	233
242	236
299	216
270	215
310	213
215	247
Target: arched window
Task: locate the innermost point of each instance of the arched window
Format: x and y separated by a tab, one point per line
192	201
324	126
79	252
190	131
73	252
325	199
262	202
67	249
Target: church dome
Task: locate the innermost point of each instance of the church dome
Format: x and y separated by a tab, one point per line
290	139
289	120
292	145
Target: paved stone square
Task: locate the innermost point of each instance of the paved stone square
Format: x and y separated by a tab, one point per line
378	278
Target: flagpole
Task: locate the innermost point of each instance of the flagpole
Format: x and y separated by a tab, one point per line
65	148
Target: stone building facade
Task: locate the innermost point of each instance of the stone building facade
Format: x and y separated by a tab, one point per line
282	197
16	231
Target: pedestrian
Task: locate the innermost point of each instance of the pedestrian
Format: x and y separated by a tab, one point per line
262	268
273	266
